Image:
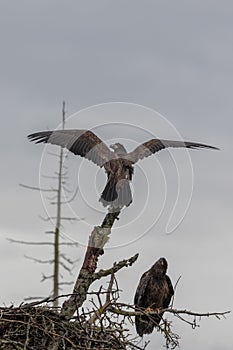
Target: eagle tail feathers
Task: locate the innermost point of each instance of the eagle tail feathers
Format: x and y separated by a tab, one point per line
144	325
109	194
117	194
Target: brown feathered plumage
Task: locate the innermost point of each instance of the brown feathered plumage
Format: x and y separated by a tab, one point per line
154	291
118	163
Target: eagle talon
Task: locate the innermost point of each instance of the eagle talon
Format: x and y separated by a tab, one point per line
158	310
149	310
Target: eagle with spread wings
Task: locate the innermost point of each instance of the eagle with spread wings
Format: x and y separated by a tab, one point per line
154	292
118	164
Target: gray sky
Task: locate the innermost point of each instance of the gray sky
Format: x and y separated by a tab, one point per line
174	57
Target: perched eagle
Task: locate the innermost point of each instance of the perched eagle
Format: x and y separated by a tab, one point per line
153	292
118	164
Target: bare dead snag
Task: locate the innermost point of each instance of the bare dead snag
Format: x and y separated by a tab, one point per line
59	261
97	240
58	222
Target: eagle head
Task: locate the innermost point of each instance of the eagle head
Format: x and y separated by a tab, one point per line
119	149
161	266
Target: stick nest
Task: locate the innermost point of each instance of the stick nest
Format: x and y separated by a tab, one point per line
38	328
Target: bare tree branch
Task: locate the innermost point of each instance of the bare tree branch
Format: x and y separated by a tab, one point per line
40	261
103	308
48	218
11	240
38	188
116	267
117	308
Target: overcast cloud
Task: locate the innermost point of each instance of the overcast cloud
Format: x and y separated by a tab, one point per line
174	57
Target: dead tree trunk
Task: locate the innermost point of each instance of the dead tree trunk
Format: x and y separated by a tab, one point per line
96	243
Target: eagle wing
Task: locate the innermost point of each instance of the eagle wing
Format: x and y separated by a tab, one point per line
143	323
155	145
80	142
141	289
170	293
